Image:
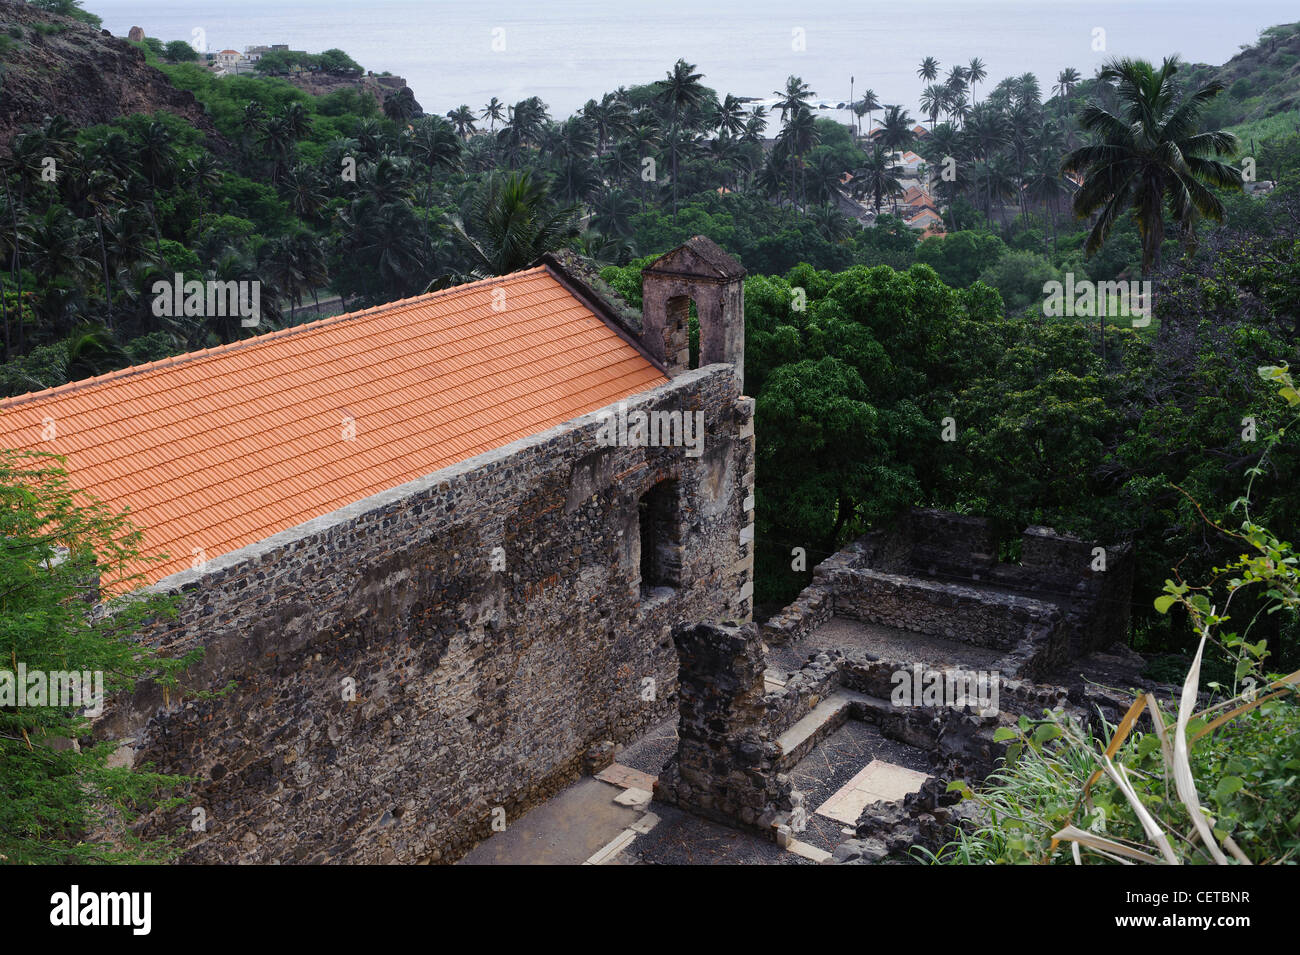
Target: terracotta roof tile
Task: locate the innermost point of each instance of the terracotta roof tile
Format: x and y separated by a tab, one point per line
226	446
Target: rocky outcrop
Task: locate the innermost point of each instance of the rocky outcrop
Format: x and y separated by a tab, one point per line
380	87
72	69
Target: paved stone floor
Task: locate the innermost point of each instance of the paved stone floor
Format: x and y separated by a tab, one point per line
682	839
650	752
567	829
886	642
878	781
833	762
609	820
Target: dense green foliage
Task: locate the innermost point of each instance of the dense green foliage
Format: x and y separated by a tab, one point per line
1214	785
62	554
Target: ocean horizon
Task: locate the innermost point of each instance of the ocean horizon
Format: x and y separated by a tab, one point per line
570	51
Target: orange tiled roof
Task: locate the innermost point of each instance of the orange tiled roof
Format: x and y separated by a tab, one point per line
220	448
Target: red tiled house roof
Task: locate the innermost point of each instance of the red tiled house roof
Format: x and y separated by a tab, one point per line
224	447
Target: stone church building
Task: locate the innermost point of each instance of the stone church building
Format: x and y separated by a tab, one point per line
401	540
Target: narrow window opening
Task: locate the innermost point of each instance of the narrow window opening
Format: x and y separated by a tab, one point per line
659	524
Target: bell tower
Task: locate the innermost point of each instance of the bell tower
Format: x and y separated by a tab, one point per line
697	271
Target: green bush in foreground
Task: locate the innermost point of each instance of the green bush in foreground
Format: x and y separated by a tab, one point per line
60	554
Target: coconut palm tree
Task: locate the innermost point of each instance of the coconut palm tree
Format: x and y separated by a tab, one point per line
793	98
204	173
435	146
303	190
387	179
383	247
156	159
896	129
512	222
1151	157
607	119
731	116
612	213
644	138
279	264
832	224
1044	184
933	100
57	244
527	120
877	177
280	145
102	192
252	122
796	139
462	117
996	179
494	112
976	72
955	105
92	350
401	106
1066	81
987	131
867	104
929	69
822	178
621	164
682	93
370	138
572	152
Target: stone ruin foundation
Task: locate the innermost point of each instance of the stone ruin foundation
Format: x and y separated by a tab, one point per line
929	601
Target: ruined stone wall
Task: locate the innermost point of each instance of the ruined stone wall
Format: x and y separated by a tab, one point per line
1099	600
476	688
815	603
725	767
955	612
945	543
938	574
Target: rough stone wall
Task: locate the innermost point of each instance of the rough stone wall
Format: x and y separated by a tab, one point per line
476	688
815	603
947	543
725	767
804	689
1098	607
730	765
955	612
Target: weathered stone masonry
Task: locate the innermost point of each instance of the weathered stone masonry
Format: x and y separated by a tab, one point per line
739	735
475	688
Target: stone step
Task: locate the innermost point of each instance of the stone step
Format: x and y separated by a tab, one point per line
625	777
822	720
